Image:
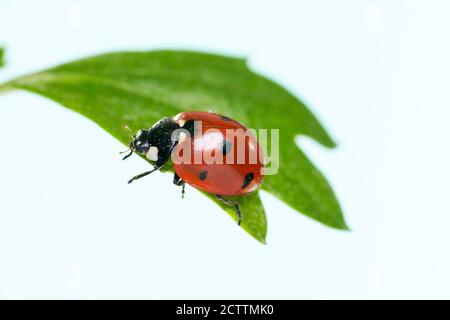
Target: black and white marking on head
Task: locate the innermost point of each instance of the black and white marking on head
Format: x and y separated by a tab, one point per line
152	153
139	133
202	175
248	178
226	147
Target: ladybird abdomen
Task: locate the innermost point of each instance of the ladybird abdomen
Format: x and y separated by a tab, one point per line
237	173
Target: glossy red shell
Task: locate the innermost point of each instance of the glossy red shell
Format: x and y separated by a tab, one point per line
226	178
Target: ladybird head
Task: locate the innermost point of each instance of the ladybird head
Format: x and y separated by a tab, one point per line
155	142
140	142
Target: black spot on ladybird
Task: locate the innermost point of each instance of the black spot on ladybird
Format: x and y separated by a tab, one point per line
226	148
248	178
225	118
202	175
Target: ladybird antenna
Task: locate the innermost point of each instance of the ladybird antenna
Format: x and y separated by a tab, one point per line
126	127
128	155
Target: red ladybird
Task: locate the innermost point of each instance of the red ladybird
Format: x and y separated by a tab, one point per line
210	152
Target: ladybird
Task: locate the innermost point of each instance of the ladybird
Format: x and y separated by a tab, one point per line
209	151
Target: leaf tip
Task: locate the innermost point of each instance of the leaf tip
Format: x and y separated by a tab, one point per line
326	140
341	225
331	144
261	240
323	139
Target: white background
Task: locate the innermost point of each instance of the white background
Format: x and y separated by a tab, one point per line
375	72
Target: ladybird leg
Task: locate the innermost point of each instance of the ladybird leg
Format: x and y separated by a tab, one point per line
182	190
178	182
141	175
160	162
231	203
158	166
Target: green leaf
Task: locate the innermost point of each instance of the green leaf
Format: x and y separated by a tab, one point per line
2	57
254	221
139	88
